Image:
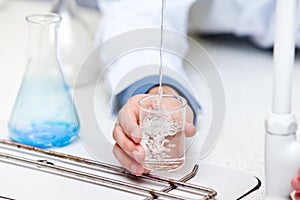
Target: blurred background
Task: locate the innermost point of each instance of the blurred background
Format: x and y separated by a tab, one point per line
246	71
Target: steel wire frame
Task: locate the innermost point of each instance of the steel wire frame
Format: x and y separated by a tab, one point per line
203	193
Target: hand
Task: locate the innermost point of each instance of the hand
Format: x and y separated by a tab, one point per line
296	185
128	135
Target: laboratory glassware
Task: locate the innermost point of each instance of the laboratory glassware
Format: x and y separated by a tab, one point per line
43	114
76	41
162	121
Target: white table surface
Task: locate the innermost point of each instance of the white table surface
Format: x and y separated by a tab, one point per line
246	72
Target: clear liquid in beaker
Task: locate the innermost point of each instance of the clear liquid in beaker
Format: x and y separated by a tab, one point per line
163	140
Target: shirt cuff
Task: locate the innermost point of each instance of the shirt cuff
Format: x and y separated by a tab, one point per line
144	85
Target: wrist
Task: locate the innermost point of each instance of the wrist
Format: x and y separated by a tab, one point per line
166	90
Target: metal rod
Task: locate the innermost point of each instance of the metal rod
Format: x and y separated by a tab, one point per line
186	178
77	159
190	188
84	176
284	55
6	198
94	163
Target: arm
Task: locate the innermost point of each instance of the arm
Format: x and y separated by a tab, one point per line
125	74
128	15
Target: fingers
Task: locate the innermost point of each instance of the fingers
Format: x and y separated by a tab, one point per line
128	119
127	161
189	130
189	114
128	153
297	196
296	184
129	147
127	135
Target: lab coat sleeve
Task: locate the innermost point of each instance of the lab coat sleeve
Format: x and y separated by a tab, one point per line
134	73
127	15
144	85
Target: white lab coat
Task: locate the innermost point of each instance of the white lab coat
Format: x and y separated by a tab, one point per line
126	15
244	18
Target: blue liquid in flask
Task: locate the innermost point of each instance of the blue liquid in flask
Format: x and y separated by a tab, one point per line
44	114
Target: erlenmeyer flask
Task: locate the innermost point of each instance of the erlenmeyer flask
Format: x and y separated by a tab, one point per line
44	114
76	41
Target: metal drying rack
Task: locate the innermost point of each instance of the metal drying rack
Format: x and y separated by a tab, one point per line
202	193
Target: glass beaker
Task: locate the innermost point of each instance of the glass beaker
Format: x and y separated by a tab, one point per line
43	114
162	121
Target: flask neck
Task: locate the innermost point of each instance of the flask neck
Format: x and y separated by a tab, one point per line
69	6
43	41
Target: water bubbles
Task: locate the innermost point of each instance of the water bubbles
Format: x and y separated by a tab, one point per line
159	136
